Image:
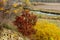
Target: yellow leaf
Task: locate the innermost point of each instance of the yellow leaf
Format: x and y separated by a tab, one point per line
15	11
1	8
7	12
15	5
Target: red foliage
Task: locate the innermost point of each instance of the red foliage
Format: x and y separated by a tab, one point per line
25	23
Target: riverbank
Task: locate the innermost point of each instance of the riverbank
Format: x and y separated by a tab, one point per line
48	7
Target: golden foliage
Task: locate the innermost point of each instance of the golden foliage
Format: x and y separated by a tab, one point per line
46	31
18	10
15	5
1	8
15	11
5	0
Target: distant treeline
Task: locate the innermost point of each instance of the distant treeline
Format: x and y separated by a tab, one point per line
53	1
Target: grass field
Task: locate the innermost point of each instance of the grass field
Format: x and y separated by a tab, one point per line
52	21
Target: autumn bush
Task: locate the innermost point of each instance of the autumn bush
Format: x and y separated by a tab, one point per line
25	23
